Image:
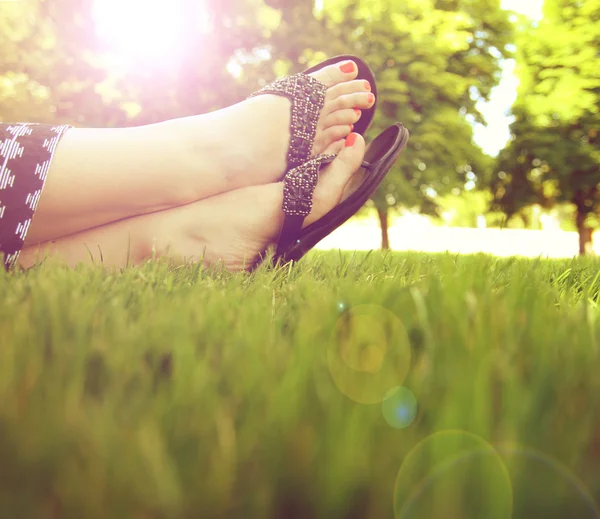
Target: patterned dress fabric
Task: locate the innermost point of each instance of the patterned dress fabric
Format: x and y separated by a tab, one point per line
26	152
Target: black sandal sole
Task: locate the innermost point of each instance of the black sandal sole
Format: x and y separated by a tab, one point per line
380	156
364	72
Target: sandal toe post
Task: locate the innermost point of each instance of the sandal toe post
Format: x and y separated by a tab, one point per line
307	97
298	188
380	156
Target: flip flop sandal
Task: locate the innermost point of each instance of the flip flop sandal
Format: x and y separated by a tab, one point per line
307	96
299	185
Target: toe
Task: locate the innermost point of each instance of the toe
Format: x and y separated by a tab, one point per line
362	101
335	147
332	134
348	87
337	73
341	117
334	179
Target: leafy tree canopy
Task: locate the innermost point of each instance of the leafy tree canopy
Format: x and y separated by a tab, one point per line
554	156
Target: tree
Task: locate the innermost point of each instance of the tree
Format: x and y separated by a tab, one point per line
51	64
433	60
55	67
554	155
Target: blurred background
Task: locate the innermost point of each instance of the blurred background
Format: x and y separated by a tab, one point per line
501	98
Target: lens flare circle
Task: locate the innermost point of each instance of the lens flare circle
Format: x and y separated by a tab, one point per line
542	475
368	353
453	474
399	407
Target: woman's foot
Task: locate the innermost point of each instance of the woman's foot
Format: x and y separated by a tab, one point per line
100	176
247	143
234	228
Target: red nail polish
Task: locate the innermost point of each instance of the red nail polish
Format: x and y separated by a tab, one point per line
371	98
357	111
351	127
348	67
367	86
351	140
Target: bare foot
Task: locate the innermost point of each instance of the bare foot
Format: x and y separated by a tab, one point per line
233	228
248	143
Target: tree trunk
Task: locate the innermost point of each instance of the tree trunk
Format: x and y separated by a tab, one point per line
384	224
585	233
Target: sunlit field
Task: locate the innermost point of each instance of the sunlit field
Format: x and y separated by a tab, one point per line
418	234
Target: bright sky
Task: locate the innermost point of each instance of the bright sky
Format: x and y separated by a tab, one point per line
493	138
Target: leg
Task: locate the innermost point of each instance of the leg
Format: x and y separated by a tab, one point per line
103	175
115	244
232	228
100	176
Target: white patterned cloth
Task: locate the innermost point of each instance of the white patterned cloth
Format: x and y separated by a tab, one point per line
26	152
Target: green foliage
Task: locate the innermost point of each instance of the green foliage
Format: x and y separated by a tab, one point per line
184	393
465	210
433	60
55	67
554	156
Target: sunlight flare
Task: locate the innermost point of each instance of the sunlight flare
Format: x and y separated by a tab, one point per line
148	31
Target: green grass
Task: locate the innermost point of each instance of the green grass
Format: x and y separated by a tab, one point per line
160	393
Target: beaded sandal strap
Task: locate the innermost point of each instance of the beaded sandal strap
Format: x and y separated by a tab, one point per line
298	188
307	96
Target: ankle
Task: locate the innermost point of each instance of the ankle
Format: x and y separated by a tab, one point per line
200	148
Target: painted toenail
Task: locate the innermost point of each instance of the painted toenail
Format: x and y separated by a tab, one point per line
351	140
347	67
367	85
351	127
357	112
371	98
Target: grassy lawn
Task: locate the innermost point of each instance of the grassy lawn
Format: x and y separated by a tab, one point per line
155	393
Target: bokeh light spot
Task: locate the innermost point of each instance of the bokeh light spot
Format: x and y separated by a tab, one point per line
399	407
368	353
